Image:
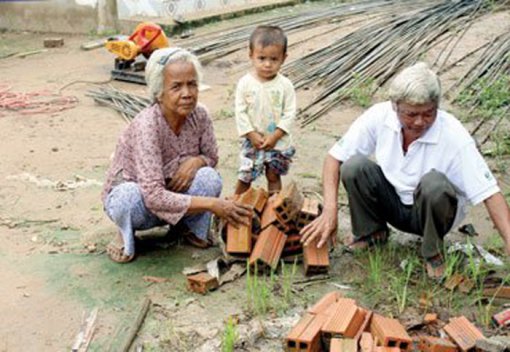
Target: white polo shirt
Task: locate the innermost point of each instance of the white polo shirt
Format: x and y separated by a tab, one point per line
446	147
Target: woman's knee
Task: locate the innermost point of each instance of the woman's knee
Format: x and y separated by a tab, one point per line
209	181
122	199
354	166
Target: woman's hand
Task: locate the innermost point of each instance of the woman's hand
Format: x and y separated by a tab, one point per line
185	174
235	213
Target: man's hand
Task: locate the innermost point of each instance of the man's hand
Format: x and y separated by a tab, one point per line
185	174
235	213
323	227
256	139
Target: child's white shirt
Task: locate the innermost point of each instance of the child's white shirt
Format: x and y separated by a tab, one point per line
265	106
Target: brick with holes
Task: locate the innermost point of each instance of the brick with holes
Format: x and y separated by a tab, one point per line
389	332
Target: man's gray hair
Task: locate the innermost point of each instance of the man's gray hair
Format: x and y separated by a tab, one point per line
416	84
161	58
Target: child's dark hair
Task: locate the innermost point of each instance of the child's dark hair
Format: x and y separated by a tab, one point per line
268	35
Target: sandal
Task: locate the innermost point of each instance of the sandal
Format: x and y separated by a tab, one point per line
116	252
193	240
435	267
375	239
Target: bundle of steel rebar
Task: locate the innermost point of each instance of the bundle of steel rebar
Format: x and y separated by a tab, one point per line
376	51
221	43
128	105
485	85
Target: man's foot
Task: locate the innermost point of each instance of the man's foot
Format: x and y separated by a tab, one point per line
115	250
435	267
377	238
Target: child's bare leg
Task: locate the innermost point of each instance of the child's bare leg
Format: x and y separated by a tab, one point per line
274	182
241	187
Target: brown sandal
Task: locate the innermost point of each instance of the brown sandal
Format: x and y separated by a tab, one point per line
193	240
116	252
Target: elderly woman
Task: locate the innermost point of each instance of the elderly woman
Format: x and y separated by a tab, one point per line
426	170
163	168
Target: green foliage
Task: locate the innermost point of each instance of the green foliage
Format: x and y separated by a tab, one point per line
491	99
361	91
224	114
230	336
270	294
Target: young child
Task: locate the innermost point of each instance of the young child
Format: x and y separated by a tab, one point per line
265	110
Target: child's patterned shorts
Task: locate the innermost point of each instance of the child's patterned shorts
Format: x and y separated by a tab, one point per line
254	161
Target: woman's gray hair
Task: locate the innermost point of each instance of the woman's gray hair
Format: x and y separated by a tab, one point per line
161	58
416	84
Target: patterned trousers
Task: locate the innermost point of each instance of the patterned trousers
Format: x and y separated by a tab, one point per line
125	207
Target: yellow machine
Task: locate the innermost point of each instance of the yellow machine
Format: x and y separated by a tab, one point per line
129	65
146	38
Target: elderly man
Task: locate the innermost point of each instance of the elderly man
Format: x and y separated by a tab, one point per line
426	170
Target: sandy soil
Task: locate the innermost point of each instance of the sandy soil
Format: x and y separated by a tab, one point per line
52	241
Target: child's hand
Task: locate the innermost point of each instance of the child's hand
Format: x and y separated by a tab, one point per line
269	142
256	139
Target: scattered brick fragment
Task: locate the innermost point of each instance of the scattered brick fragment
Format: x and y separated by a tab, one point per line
463	333
436	344
202	283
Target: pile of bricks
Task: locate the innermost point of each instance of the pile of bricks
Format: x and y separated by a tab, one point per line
273	231
338	324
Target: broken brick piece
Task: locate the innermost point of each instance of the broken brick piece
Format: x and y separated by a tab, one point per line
386	349
389	332
288	203
53	42
430	318
239	239
453	281
463	333
435	344
498	292
269	247
502	318
315	260
325	303
202	283
305	336
345	320
343	345
309	212
292	244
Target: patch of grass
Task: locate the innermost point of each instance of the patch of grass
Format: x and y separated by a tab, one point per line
224	114
270	294
362	90
400	283
230	336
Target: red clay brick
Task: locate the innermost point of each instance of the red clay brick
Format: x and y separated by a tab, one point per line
202	283
269	247
345	321
325	303
389	332
288	203
436	344
309	212
366	342
254	197
239	240
268	216
343	345
463	333
315	260
305	336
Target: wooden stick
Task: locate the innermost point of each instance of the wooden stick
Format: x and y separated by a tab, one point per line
87	328
136	326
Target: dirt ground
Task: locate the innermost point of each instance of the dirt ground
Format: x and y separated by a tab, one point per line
52	237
